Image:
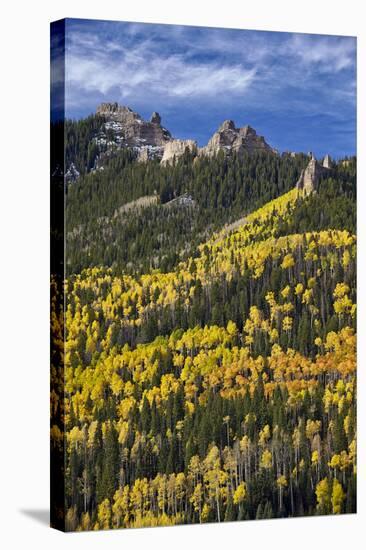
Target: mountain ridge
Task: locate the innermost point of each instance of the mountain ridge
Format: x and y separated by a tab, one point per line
119	126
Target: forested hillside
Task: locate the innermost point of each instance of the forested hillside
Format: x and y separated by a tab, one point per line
210	356
164	230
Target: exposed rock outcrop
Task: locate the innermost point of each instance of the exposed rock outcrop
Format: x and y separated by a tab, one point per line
155	118
183	200
229	138
120	113
121	127
176	148
148	152
132	128
309	178
327	162
150	139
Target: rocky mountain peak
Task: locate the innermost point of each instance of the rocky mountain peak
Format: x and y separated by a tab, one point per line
112	107
126	128
114	111
229	138
121	127
247	131
309	178
227	125
155	118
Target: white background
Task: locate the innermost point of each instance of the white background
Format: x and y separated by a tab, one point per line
24	264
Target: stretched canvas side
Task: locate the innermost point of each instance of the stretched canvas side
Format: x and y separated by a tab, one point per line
57	220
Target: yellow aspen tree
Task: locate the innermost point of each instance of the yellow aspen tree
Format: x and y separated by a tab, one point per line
281	484
196	499
323	495
266	460
104	514
338	497
240	493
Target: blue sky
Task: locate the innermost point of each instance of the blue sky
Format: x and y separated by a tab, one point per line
298	90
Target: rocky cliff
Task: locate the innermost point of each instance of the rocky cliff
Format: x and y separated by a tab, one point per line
327	162
151	139
176	148
132	129
309	178
229	138
122	127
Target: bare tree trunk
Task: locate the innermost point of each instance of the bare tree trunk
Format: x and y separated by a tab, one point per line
218	506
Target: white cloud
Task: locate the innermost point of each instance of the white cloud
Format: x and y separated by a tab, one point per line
137	62
327	54
92	68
